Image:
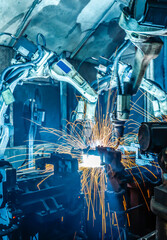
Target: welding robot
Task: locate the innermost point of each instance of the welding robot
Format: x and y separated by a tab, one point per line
143	26
143	22
51	207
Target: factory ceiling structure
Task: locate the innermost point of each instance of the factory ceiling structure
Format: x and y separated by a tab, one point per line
83	120
83	28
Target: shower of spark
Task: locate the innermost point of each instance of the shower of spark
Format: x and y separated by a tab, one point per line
94	185
93	177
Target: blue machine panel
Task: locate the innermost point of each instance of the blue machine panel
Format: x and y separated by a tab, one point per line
63	66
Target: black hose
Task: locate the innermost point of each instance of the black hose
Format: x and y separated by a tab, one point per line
40	35
40	47
120	51
40	55
17	71
5	71
85	59
103	79
9	34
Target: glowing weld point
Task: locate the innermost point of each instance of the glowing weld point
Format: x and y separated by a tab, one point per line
90	161
95	144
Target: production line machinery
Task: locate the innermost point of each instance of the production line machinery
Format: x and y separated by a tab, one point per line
25	197
35	61
41	204
152	138
56	209
36	204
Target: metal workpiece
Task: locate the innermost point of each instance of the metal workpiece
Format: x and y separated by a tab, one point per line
108	156
123	107
112	157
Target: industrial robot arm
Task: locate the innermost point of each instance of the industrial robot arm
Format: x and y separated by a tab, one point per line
151	87
35	61
106	80
64	71
160	104
142	24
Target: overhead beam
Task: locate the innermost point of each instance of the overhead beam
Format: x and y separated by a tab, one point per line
24	21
